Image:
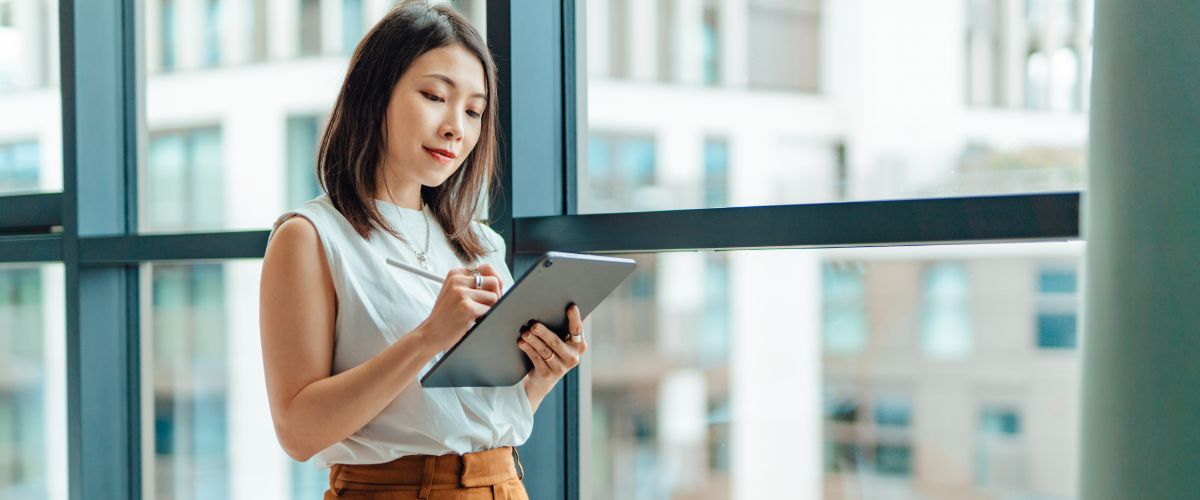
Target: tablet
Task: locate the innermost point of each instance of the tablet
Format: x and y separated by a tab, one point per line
488	356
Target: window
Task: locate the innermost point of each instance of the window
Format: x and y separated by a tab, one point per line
893	460
185	184
256	27
352	24
20	167
1037	81
31	145
1057	308
310	27
795	25
985	54
167	35
212	31
33	411
946	313
1001	460
716	173
714	343
622	171
650	394
808	96
710	46
254	156
843	316
190	381
303	134
893	411
1065	92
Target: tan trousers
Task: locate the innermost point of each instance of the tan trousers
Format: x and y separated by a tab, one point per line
491	474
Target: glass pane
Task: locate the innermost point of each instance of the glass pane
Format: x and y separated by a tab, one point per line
232	135
709	103
30	147
33	382
206	415
900	373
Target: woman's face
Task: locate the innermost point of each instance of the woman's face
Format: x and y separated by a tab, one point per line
435	115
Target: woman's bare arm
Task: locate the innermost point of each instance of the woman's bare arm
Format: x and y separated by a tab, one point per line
312	409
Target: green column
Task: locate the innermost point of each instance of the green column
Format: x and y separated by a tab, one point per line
1141	352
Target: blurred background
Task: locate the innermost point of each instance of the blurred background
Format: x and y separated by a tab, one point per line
939	372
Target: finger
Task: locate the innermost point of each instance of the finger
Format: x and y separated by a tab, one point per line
564	352
574	321
487	270
486	297
490	272
545	351
490	283
538	362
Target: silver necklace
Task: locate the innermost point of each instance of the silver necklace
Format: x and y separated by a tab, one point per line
422	257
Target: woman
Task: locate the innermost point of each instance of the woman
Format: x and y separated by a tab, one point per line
410	147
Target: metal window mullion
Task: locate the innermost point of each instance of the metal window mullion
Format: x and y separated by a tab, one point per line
527	40
100	109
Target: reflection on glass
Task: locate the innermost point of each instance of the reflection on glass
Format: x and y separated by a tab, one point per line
905	373
33	411
207	415
229	87
820	101
302	132
185	180
30	147
191	436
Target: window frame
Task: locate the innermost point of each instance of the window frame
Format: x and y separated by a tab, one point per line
92	225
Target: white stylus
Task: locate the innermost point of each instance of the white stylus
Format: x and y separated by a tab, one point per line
415	270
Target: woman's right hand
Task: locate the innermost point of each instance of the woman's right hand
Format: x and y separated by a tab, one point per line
459	304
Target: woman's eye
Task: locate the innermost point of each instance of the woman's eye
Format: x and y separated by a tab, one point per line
472	114
432	97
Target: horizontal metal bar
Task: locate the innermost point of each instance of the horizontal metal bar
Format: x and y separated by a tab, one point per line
169	247
986	219
981	219
30	212
39	248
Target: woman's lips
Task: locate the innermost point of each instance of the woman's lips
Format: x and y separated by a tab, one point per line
442	156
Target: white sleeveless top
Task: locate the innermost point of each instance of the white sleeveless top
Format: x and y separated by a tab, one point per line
377	305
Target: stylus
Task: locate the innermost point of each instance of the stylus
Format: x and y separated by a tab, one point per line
415	270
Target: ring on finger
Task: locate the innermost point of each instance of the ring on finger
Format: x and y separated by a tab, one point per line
478	279
577	337
546	355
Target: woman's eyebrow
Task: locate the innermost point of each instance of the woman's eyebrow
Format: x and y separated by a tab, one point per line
451	83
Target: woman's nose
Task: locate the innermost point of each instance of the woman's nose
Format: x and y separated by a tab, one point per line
452	129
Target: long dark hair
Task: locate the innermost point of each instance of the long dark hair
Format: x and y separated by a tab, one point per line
353	144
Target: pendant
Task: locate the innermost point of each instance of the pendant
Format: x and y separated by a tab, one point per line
423	261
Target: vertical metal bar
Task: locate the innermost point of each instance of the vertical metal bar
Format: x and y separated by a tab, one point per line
499	31
571	383
527	40
99	125
70	247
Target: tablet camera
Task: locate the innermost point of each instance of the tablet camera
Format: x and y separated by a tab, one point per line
548	263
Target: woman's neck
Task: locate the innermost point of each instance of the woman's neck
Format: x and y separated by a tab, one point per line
398	191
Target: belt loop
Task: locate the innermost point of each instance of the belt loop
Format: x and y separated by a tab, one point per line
335	473
520	468
427	478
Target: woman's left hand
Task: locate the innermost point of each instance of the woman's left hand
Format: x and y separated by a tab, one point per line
552	356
